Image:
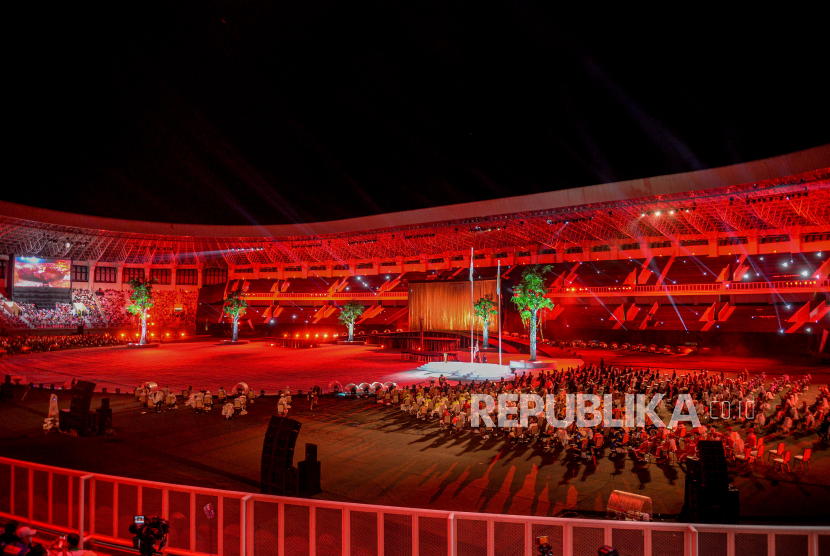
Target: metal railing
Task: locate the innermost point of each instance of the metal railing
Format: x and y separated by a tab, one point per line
226	523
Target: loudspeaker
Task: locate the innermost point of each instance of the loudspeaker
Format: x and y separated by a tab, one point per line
79	406
8	392
309	472
279	481
63	420
104	414
93	425
82	396
713	470
277	472
708	496
309	475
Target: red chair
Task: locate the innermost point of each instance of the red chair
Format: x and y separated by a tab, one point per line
584	448
757	454
805	458
782	461
596	448
744	457
777	452
759	447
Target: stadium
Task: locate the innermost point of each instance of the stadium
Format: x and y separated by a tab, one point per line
724	270
414	280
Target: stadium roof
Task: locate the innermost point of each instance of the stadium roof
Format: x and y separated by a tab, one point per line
777	193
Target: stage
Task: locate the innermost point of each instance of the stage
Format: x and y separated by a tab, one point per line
462	371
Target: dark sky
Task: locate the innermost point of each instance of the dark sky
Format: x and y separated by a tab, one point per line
285	111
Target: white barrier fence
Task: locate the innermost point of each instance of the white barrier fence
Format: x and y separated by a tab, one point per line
226	523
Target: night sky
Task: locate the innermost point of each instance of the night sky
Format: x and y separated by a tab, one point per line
287	111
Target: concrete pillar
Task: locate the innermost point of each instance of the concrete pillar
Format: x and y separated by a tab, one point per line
713	246
795	239
119	277
90	277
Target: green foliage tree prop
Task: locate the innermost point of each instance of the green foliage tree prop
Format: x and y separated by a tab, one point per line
141	295
350	312
235	307
485	308
529	298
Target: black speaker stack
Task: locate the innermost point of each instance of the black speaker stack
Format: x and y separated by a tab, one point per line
8	391
309	471
708	497
278	475
78	417
104	414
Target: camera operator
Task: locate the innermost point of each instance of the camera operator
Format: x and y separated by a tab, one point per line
150	535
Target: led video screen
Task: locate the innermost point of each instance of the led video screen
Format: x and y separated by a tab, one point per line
42	273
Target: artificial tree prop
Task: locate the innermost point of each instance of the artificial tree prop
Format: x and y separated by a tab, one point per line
485	308
529	298
141	295
350	312
235	307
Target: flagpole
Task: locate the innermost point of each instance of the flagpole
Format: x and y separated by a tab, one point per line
472	307
498	293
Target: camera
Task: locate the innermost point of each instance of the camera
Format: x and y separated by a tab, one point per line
150	534
545	549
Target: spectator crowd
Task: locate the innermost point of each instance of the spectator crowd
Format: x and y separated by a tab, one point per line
18	344
114	304
104	308
741	412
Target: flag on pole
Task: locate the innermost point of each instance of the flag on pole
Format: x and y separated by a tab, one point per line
498	300
472	308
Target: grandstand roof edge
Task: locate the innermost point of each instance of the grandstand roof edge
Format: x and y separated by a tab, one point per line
769	168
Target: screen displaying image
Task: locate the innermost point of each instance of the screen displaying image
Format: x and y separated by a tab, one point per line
42	273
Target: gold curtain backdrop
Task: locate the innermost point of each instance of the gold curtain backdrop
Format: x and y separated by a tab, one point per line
447	305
